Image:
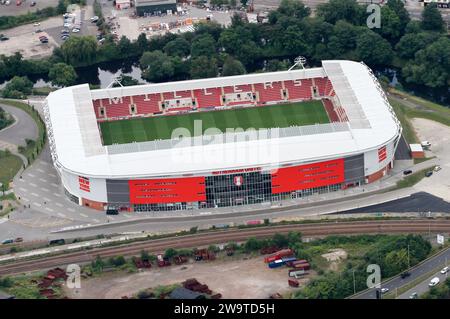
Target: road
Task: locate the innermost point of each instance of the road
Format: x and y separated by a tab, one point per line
24	127
418	271
423	286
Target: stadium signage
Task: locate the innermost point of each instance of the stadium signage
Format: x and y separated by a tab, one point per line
234	171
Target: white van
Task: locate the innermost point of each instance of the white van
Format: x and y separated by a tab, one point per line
434	282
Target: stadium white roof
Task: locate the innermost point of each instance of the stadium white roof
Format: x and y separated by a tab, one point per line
76	142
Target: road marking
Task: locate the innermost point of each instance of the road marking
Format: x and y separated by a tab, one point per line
43	180
22	189
59	205
45	189
54	185
71	210
37	204
127	216
49	209
34	194
57	195
95	220
31	184
52	175
61	215
84	215
21	180
25	199
112	218
41	170
47	199
31	175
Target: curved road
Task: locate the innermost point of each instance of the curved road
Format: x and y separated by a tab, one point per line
23	128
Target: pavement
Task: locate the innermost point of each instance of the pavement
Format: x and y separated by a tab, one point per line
437	261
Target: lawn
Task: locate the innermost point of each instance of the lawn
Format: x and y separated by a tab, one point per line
10	165
161	127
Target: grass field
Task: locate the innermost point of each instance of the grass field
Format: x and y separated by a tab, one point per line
161	127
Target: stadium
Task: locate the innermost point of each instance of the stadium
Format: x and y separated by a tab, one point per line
218	142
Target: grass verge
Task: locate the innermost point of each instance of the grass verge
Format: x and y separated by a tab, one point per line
414	178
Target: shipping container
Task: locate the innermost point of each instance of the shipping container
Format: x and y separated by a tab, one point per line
288	259
279	254
254	222
304	266
276	264
298	272
293	283
271	259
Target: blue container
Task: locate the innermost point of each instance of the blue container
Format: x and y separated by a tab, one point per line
288	259
276	264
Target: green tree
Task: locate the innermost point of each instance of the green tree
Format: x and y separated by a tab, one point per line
170	253
203	45
157	66
79	50
17	88
373	49
294	8
432	19
203	67
336	10
396	261
124	46
411	43
178	47
252	244
126	80
232	67
62	74
431	65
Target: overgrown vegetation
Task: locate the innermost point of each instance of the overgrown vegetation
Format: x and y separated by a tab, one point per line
5	119
441	291
414	178
10	164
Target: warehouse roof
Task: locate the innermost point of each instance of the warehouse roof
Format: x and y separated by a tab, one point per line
76	142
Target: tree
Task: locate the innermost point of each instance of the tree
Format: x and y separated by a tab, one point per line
432	19
336	10
232	67
18	88
395	262
391	26
203	67
126	80
142	42
203	45
62	74
124	46
431	66
157	66
294	8
178	47
373	49
79	50
170	253
252	244
411	43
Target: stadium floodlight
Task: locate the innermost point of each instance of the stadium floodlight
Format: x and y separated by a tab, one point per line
300	60
115	80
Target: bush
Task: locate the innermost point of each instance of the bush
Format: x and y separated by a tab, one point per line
6	282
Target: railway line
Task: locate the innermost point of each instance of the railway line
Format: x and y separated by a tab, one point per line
225	236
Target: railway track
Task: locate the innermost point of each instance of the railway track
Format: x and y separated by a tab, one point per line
217	237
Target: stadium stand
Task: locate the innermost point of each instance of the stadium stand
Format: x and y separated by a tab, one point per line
299	89
269	92
148	103
329	107
210	97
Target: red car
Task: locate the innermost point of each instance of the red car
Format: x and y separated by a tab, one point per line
18	2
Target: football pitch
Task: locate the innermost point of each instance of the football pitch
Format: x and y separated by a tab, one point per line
161	127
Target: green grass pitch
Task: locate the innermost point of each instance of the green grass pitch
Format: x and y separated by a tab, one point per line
161	127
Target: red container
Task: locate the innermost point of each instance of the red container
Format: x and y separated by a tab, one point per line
304	266
293	283
271	258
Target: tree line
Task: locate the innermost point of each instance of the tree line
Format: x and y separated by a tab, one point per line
338	31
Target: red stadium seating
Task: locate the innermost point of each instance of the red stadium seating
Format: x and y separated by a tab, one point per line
179	94
147	103
329	107
297	92
269	92
117	107
210	97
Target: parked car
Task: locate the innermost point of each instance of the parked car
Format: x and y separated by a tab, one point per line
7	241
444	270
3	37
407	172
384	290
429	173
67	25
75	30
18	240
33	3
434	282
425	144
112	212
437	168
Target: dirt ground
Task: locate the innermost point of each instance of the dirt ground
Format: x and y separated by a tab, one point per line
25	40
241	279
14	10
335	257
